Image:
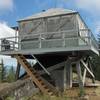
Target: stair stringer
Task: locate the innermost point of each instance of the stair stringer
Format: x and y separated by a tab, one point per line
41	83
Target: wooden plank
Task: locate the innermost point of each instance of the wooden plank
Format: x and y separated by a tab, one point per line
41	65
70	81
68	74
30	73
87	68
65	77
51	68
79	75
36	78
17	71
46	50
89	63
84	76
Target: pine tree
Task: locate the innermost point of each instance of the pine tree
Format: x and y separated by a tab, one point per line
2	71
96	62
11	75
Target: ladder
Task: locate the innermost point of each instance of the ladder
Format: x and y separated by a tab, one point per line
44	86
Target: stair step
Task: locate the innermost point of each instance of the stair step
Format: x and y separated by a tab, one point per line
42	83
21	57
45	87
39	79
24	60
34	73
47	90
37	76
31	69
51	93
26	63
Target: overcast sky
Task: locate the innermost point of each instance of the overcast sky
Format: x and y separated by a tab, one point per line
12	10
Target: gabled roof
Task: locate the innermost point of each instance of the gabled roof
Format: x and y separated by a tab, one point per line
49	12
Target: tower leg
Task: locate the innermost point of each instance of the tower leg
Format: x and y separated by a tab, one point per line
93	78
84	75
80	78
67	75
17	71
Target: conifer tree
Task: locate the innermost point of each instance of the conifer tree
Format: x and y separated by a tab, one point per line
11	75
2	71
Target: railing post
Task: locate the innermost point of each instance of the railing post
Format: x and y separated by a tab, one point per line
19	43
63	36
90	37
13	45
40	41
90	41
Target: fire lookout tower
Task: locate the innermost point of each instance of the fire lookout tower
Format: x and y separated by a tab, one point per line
60	41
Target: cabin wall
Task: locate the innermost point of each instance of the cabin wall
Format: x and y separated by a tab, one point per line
82	26
50	24
83	31
56	24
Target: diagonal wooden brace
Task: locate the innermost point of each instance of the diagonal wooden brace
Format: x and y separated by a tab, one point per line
85	65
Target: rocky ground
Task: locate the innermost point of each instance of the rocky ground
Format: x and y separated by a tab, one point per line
72	94
92	93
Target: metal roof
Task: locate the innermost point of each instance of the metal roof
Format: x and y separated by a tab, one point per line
48	13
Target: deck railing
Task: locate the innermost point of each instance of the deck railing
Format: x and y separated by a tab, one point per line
55	39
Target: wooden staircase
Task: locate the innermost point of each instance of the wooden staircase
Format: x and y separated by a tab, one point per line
41	83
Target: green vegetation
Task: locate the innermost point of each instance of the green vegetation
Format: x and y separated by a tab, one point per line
11	75
13	98
6	75
46	97
96	66
2	72
10	98
96	63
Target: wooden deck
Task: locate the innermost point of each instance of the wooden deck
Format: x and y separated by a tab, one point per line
87	49
43	43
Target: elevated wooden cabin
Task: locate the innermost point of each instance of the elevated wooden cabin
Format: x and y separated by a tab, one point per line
54	30
53	36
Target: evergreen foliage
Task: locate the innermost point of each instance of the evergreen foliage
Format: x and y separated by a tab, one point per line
2	72
96	62
11	75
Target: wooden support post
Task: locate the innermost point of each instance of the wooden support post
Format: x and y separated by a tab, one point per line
84	75
80	78
71	75
65	78
68	75
93	79
17	71
84	64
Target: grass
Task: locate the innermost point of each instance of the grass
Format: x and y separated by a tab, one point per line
13	98
10	98
93	93
46	97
